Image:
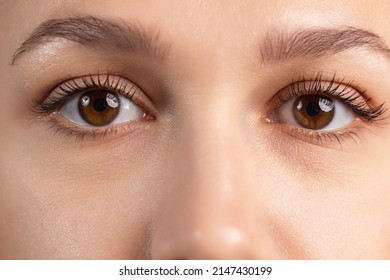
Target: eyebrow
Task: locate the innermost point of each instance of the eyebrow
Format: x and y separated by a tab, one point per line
96	33
276	47
312	43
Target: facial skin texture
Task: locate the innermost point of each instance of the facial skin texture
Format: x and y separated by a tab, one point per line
208	177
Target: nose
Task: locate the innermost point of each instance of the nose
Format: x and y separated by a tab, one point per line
213	209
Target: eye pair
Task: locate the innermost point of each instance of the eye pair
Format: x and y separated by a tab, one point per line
105	101
102	107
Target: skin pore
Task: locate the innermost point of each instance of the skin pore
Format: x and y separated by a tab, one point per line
212	167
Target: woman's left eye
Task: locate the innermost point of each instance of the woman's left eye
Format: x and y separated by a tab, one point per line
101	107
315	112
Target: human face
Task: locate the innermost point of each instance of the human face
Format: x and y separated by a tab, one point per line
208	161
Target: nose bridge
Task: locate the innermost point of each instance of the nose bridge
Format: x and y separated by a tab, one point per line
211	160
209	210
215	149
216	164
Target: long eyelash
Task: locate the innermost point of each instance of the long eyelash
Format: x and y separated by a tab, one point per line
344	92
71	88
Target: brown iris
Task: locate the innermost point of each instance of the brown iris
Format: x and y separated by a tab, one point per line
99	108
313	111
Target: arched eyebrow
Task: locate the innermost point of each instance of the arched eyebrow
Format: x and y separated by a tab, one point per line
96	33
276	47
312	43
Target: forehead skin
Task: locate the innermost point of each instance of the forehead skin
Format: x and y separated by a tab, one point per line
200	182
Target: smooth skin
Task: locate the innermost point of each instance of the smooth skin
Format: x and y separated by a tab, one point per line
209	177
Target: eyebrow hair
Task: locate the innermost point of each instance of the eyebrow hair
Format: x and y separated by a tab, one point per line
318	42
96	33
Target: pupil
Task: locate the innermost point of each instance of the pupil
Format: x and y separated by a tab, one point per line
313	109
100	105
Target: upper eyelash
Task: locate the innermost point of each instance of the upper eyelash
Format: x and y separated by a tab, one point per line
70	88
344	92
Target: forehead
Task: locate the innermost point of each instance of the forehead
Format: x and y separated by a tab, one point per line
210	11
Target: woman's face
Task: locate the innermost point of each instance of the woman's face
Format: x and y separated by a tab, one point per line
194	129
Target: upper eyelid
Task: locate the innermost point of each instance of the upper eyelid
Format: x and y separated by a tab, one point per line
324	85
92	82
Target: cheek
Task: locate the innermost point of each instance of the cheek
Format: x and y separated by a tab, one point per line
337	224
75	203
104	201
325	203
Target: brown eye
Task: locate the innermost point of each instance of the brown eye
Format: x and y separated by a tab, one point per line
101	101
313	111
98	108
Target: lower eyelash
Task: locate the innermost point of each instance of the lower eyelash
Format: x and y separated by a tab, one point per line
79	133
322	137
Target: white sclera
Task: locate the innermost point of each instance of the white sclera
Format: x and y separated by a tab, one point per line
343	115
128	110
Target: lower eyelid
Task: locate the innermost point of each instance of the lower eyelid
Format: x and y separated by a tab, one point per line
327	138
65	129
